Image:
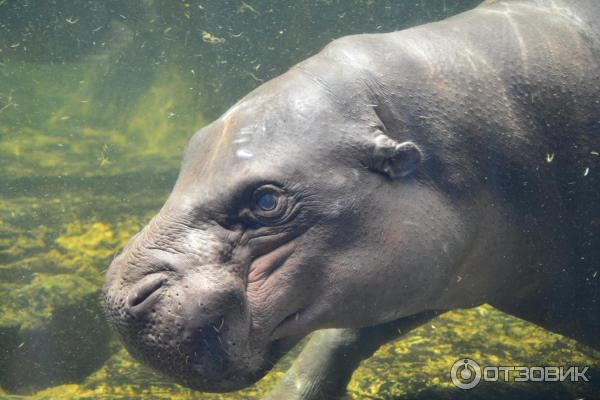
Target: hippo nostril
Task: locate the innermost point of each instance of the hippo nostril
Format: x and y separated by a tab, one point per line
145	289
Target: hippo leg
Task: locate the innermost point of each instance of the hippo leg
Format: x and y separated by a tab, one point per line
327	362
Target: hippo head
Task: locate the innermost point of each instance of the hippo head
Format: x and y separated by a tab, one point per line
296	210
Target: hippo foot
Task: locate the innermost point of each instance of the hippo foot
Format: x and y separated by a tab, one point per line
327	362
323	369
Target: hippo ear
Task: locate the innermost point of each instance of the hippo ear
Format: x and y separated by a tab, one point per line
393	159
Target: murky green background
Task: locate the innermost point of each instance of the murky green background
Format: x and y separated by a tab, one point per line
97	100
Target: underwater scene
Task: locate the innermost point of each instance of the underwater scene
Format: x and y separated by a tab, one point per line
97	102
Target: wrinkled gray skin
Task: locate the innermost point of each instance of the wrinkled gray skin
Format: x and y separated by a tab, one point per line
414	172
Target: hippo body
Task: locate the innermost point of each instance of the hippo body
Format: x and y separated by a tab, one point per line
387	179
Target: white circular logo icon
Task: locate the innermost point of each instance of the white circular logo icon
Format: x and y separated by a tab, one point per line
465	373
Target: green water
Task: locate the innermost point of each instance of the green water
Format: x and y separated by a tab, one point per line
97	100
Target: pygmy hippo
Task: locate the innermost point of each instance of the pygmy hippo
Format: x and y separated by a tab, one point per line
387	179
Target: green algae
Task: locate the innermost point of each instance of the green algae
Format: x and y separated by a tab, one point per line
418	366
43	268
33	304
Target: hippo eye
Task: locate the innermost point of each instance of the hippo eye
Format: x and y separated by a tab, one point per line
268	204
266	201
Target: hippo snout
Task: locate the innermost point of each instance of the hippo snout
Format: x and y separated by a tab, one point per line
185	317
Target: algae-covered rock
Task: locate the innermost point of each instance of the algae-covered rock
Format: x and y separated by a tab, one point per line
51	331
418	365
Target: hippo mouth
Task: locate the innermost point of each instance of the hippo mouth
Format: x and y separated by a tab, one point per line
291	323
169	322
